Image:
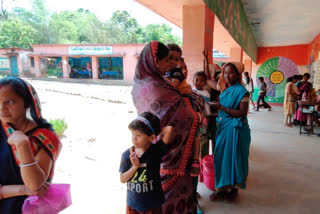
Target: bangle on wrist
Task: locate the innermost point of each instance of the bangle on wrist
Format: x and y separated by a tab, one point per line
28	164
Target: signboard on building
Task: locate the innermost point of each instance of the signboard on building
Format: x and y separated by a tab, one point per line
90	50
217	54
4	64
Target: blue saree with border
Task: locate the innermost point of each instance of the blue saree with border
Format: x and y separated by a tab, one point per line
232	142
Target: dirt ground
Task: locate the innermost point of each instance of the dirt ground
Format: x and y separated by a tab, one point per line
97	134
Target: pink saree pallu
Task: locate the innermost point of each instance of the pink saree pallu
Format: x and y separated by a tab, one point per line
152	93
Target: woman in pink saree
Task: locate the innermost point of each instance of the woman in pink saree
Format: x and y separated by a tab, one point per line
152	93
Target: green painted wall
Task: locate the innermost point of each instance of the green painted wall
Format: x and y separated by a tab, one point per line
233	17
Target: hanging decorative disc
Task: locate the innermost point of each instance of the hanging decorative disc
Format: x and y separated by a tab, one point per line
275	71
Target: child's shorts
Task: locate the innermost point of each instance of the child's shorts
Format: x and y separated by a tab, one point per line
153	211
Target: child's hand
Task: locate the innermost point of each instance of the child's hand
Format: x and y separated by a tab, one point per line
175	82
168	133
134	158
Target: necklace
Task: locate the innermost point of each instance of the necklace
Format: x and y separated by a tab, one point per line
26	126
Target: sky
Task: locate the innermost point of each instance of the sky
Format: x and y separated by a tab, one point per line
104	9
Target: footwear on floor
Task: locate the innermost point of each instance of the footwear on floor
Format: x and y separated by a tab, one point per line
232	195
218	195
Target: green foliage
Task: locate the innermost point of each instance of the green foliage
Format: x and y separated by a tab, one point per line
39	26
39	18
128	26
59	125
54	72
16	34
160	33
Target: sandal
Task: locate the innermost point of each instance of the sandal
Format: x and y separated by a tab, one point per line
218	196
195	168
232	195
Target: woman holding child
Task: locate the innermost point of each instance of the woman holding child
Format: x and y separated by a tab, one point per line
152	93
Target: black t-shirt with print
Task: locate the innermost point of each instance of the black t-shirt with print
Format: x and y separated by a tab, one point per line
144	189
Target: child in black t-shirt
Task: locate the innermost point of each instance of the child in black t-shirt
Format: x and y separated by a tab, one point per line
140	165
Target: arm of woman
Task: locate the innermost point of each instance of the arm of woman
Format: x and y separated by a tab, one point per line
212	84
34	169
219	85
241	112
10	191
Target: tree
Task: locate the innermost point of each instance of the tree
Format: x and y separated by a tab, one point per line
63	28
38	18
16	34
4	14
82	26
162	33
129	28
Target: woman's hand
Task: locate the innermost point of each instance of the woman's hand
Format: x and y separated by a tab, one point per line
216	105
134	158
18	138
41	191
167	132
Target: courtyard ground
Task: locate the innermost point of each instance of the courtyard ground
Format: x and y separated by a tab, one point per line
284	167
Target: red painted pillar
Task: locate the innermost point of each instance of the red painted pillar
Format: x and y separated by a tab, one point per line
208	33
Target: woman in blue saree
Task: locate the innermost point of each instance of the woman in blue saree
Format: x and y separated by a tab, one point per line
233	136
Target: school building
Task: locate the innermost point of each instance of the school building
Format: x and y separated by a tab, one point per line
98	61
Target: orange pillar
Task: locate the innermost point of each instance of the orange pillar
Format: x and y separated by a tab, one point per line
37	66
95	72
248	66
198	26
236	54
65	65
